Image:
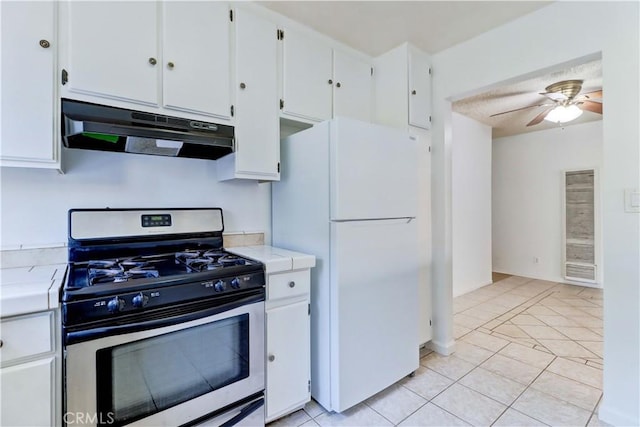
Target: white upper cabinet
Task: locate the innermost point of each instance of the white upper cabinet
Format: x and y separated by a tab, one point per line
257	154
320	82
307	76
113	50
27	88
352	93
196	57
170	54
419	89
402	81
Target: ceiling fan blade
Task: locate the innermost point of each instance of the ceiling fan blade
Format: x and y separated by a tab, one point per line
540	117
594	107
518	109
596	94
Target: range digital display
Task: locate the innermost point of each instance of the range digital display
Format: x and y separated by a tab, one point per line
163	220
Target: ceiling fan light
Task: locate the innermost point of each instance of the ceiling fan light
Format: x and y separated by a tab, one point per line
562	114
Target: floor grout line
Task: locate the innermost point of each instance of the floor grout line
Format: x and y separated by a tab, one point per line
557	291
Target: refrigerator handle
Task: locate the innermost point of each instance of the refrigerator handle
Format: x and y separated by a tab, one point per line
408	219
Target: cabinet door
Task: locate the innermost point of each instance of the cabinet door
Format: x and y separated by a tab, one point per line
423	219
307	76
258	125
419	90
352	93
27	87
196	57
28	396
113	50
287	357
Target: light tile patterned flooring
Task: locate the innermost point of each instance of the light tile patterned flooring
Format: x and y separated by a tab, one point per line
528	353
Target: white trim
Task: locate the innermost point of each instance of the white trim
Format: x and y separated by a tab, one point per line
441	348
475	288
615	417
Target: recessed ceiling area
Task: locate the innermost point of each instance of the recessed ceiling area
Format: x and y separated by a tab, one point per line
528	93
382	25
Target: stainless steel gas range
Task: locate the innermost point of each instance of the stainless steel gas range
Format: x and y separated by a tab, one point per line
161	326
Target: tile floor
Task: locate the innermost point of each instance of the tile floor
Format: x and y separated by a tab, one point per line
528	353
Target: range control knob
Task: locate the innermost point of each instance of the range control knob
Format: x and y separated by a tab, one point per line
219	286
235	283
115	305
140	300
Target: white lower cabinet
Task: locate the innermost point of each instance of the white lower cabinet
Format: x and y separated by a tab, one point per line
26	393
288	385
30	379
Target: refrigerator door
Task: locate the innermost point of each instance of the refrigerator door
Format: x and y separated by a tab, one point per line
374	307
373	171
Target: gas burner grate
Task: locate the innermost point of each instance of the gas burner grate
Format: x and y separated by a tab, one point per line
195	261
116	271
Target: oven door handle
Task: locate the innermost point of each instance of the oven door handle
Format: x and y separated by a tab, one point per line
186	315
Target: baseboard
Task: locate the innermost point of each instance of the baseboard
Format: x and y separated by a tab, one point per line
554	279
617	418
585	284
473	289
443	349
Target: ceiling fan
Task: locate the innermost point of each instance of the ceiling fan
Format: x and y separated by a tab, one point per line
567	103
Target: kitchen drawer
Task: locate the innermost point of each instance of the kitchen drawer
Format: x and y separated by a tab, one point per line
289	284
26	336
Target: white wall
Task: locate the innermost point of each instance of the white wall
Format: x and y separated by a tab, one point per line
35	202
527	196
470	204
538	42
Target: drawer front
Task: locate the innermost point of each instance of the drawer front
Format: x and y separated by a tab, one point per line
26	336
289	284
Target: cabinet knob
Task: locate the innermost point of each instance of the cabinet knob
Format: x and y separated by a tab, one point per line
1	343
243	86
330	82
153	61
292	284
413	92
271	358
170	65
45	43
338	84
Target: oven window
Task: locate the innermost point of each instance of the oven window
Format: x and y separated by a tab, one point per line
141	378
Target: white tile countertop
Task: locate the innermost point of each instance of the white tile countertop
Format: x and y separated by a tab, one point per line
275	259
30	289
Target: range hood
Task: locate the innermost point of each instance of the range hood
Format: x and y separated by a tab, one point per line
98	127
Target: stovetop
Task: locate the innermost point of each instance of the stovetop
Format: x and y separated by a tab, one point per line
135	262
121	287
133	270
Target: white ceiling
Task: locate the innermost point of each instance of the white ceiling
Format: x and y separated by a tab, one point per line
382	25
374	27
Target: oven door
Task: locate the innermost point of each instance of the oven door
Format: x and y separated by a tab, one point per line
193	364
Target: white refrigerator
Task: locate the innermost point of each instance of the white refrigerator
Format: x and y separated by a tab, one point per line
348	194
